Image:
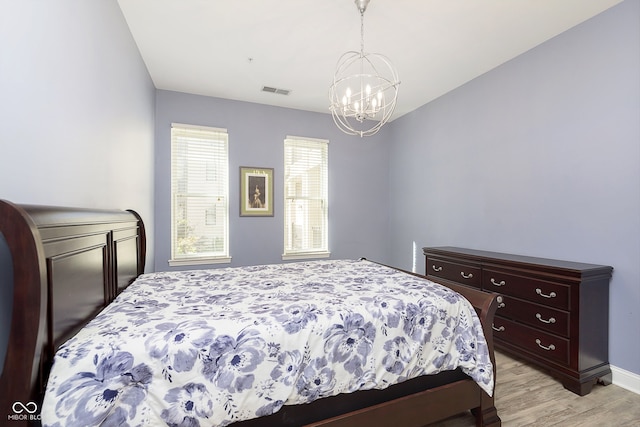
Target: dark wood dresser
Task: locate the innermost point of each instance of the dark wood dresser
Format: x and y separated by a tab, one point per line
552	313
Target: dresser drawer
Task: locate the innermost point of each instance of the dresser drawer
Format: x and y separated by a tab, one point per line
539	316
535	341
539	291
457	272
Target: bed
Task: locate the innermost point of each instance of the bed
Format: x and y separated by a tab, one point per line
73	267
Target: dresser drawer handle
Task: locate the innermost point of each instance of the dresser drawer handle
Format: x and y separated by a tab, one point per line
551	295
500	301
550	348
551	319
500	329
466	276
500	283
436	268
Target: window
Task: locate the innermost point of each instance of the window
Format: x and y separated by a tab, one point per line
199	195
305	198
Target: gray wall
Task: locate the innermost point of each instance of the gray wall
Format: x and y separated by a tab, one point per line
358	184
541	157
76	113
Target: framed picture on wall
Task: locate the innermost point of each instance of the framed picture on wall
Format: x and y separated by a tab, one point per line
256	191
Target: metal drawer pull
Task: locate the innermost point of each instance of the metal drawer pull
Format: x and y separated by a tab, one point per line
500	329
551	346
551	319
436	268
466	276
551	295
501	303
500	283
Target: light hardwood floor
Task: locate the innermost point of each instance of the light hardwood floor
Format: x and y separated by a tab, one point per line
525	396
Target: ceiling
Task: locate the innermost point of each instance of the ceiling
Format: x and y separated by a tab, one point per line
231	49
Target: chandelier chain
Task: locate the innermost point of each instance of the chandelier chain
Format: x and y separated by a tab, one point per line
362	33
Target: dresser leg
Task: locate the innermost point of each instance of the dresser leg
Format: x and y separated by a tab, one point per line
581	389
605	379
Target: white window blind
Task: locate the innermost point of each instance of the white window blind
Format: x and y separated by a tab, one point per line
199	195
306	185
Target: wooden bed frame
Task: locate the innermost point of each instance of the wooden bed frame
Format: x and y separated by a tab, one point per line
66	264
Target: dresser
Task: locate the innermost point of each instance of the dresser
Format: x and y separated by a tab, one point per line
552	313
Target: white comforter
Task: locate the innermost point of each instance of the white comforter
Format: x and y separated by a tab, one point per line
211	347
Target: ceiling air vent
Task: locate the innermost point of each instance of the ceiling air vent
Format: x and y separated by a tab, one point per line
275	90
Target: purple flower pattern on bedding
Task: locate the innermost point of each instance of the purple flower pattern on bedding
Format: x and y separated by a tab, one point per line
211	347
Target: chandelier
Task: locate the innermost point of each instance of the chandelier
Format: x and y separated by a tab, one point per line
364	90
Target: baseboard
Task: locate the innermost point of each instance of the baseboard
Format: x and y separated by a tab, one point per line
625	379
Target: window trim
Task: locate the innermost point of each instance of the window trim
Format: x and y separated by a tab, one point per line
199	261
305	255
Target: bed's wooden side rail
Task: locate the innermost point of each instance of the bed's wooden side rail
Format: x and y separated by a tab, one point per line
67	264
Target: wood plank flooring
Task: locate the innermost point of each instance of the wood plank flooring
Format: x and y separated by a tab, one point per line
526	396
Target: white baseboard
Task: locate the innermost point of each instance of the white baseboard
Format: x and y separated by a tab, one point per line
625	379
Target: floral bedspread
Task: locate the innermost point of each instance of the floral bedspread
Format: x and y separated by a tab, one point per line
211	347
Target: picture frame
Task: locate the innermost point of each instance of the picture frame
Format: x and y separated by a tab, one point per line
256	191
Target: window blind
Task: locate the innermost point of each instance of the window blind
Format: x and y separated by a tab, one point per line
306	197
199	195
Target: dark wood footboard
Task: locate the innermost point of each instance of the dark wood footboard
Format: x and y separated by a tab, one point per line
485	305
486	414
